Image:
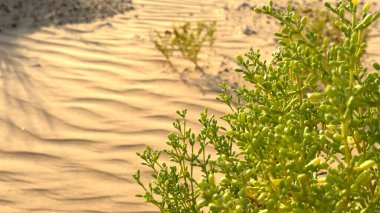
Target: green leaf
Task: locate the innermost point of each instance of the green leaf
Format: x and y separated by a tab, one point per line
376	66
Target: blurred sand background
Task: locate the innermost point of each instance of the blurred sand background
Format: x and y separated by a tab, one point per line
82	89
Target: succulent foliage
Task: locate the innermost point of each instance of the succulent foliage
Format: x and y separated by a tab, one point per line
304	137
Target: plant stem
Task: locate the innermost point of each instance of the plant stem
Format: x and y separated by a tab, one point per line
191	175
347	159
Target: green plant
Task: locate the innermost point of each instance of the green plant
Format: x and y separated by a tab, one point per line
305	137
164	44
174	187
189	40
322	21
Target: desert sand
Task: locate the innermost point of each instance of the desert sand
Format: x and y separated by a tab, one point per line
78	98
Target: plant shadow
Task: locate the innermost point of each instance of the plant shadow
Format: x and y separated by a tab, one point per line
208	82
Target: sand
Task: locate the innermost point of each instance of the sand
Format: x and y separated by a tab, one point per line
78	100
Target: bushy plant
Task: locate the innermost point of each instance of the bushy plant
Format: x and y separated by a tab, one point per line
187	38
304	137
322	21
174	188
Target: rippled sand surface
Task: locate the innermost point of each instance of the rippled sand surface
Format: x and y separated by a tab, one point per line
78	101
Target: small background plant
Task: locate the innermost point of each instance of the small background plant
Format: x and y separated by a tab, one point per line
304	138
164	43
188	38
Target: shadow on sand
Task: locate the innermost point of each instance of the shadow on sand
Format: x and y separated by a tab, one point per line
34	14
22	17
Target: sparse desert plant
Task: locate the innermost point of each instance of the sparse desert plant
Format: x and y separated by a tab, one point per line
187	38
164	43
190	39
305	137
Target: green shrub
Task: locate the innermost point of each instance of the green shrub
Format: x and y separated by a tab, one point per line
323	22
190	40
164	44
305	137
187	38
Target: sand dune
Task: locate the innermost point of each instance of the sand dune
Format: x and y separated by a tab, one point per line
77	101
